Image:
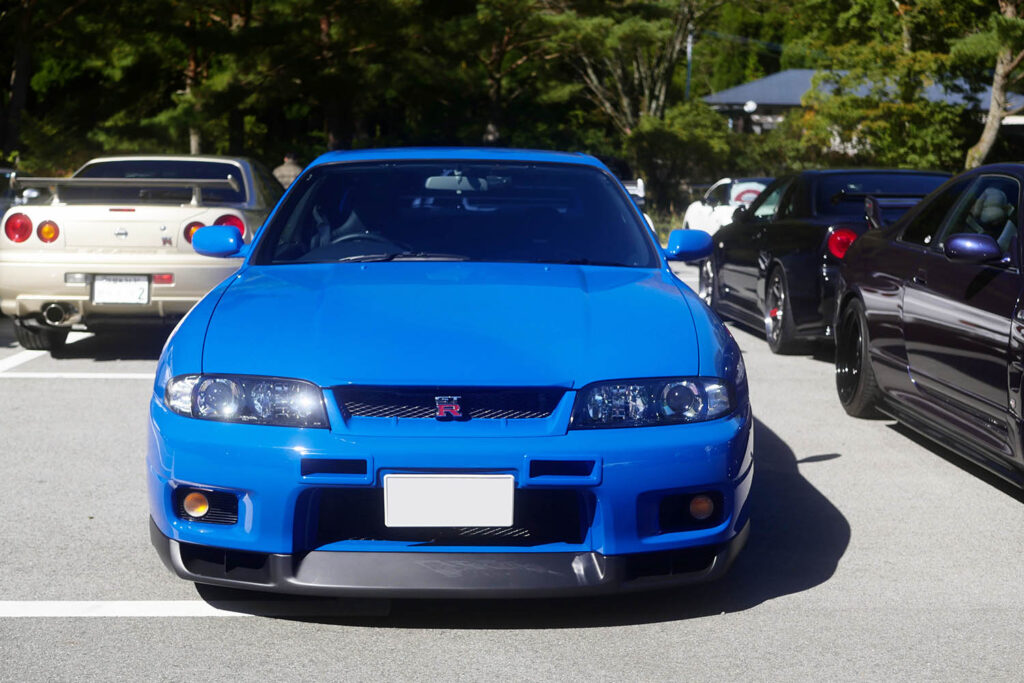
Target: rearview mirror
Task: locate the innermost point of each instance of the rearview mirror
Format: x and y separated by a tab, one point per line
740	214
221	241
688	245
972	248
873	213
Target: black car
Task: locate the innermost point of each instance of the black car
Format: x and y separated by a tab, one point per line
930	322
775	264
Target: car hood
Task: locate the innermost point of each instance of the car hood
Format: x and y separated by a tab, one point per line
452	323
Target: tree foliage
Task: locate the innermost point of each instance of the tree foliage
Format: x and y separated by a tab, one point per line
80	78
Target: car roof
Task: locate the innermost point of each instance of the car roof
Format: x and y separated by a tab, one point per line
460	154
851	171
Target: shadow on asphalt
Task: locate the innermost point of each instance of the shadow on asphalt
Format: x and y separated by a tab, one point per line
954	458
796	542
137	344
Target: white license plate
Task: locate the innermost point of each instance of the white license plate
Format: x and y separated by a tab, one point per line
120	289
448	500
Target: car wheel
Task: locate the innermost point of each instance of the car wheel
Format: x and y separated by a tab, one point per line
39	338
778	318
855	377
707	288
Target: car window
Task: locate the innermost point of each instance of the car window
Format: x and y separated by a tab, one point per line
921	228
842	194
459	210
719	194
989	207
765	206
161	169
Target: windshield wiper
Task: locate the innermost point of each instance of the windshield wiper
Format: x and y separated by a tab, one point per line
403	256
579	262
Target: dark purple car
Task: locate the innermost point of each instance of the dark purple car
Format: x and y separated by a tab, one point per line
930	323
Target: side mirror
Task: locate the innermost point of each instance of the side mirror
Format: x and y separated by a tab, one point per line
688	245
873	213
740	214
972	248
217	240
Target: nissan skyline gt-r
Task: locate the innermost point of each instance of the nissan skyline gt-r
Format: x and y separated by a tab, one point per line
113	247
446	388
930	320
775	266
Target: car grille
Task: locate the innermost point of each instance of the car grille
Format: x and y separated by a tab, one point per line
541	516
476	403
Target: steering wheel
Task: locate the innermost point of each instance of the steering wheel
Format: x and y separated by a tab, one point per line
371	237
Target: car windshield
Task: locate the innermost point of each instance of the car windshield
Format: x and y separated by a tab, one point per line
158	169
457	210
843	194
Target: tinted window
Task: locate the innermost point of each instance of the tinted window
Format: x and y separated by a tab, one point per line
843	194
921	228
718	195
989	207
156	168
764	207
457	210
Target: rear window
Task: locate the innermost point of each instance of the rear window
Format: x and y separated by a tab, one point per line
455	210
156	168
843	194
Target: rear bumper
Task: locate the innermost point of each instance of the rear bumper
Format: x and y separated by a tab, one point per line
466	575
28	285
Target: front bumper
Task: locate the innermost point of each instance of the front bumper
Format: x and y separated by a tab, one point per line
446	575
29	281
596	510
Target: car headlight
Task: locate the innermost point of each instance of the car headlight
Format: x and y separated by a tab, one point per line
250	400
651	402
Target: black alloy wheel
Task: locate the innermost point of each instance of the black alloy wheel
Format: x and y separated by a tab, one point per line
778	319
855	377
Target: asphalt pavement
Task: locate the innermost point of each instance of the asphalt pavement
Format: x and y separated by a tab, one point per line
873	554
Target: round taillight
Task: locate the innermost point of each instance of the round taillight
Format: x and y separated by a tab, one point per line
18	227
48	231
840	241
190	230
231	219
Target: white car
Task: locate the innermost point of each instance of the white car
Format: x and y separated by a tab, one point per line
718	204
114	245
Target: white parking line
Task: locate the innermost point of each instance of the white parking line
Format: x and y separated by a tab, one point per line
25	356
111	608
76	375
285	607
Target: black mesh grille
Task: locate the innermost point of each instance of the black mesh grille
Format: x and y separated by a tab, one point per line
475	403
540	516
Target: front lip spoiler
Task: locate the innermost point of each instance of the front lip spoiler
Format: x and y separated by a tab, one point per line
444	575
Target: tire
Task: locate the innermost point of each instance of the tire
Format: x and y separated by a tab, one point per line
778	319
855	376
707	287
39	338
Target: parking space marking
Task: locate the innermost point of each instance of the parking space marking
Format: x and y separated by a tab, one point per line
19	358
62	609
76	375
23	357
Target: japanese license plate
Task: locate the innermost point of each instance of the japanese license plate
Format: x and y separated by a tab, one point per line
448	500
120	289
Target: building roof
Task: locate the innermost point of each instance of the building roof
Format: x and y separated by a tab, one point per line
786	89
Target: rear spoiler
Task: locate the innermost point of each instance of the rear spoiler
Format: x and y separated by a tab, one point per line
196	184
874	203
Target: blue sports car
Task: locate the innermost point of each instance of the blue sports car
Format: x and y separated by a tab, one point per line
450	372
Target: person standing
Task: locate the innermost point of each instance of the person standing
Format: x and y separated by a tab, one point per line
288	171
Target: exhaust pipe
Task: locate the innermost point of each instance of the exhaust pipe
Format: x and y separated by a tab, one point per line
54	314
